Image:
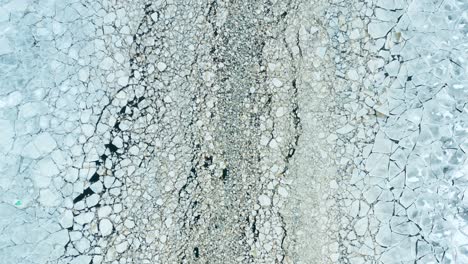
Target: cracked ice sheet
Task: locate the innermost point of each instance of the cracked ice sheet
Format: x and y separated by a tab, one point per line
223	132
33	157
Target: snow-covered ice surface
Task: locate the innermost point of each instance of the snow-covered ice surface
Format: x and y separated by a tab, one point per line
216	131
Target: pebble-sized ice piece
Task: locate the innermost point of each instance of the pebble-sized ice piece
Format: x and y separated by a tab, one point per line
168	222
331	138
92	200
277	82
109	18
115	191
67	219
155	17
161	66
104	211
96	187
281	111
105	226
159	202
264	200
167	99
83	74
98	259
82	245
72	175
75	235
85	115
120	248
134	150
84	218
108	181
353	75
345	129
118	142
129	223
122	95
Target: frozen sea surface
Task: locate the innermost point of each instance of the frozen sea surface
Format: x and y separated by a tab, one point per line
215	131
